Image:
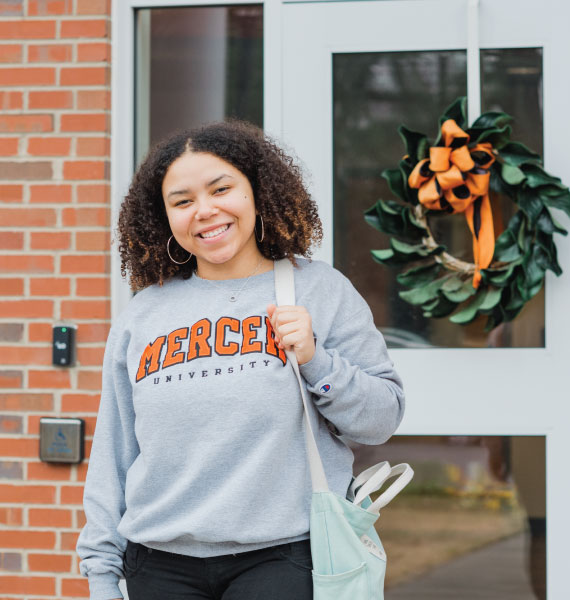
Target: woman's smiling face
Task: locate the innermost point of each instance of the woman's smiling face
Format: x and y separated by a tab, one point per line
211	211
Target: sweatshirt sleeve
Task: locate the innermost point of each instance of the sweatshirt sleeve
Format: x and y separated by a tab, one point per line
351	376
115	448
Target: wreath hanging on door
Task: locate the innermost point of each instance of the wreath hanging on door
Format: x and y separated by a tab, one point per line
463	172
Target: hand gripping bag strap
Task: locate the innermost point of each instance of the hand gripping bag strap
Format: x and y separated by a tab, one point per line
285	296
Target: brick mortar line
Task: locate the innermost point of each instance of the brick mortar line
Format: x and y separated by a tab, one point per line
43	551
50	204
53	112
57	23
56	88
49	41
44	528
48	134
39	158
72	370
44	482
52	88
67	182
58	297
48	181
55	296
46	346
34	320
55	229
43	276
62	182
75	64
90	158
26	42
35	414
51	252
43	346
55	18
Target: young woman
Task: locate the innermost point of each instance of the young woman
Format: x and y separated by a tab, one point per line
198	484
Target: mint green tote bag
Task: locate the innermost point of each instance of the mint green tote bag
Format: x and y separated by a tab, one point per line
349	562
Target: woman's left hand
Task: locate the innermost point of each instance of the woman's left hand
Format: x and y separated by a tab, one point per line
293	330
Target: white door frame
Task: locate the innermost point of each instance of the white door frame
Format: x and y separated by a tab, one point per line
538	402
524	390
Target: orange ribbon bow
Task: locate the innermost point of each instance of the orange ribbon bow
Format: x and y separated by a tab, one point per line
457	177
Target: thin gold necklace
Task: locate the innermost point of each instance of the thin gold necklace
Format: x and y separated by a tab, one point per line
235	293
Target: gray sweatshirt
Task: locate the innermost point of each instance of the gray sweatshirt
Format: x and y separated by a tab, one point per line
199	447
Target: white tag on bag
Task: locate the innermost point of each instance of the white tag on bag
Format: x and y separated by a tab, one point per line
373	548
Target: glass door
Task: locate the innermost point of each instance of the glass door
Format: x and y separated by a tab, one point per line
484	427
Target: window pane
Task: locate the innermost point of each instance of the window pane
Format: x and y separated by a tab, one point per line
373	94
511	81
195	65
471	524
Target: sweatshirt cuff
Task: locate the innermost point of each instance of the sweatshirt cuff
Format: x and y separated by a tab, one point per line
104	587
318	367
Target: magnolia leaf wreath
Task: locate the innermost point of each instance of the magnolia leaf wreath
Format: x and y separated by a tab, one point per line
463	171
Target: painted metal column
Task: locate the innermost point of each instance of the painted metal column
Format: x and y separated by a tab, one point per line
473	64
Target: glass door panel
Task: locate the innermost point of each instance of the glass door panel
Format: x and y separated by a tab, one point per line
373	93
196	64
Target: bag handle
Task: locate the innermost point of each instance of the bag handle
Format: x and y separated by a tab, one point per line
369	481
405	473
285	296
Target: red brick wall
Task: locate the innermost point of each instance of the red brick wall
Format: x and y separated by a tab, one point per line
54	264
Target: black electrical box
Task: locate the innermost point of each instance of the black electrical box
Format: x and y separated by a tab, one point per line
63	345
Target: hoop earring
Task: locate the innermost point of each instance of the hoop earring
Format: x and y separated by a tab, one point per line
262	230
170	255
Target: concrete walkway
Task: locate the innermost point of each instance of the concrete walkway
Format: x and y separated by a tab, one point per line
496	572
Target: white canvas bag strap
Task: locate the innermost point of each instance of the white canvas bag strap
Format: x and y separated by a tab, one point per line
285	296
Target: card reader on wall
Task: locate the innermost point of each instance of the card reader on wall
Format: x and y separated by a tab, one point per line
64	345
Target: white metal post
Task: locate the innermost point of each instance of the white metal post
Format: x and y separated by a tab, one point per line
473	66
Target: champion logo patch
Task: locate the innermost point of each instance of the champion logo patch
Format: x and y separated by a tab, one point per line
325	388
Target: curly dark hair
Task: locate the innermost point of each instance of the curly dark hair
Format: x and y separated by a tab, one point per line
290	217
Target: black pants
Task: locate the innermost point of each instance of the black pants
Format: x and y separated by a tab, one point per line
276	573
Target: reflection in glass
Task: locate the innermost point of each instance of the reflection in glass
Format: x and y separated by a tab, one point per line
373	94
196	65
511	80
471	524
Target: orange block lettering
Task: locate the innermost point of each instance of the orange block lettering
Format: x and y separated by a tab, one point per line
173	354
199	346
150	359
222	348
270	345
250	335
